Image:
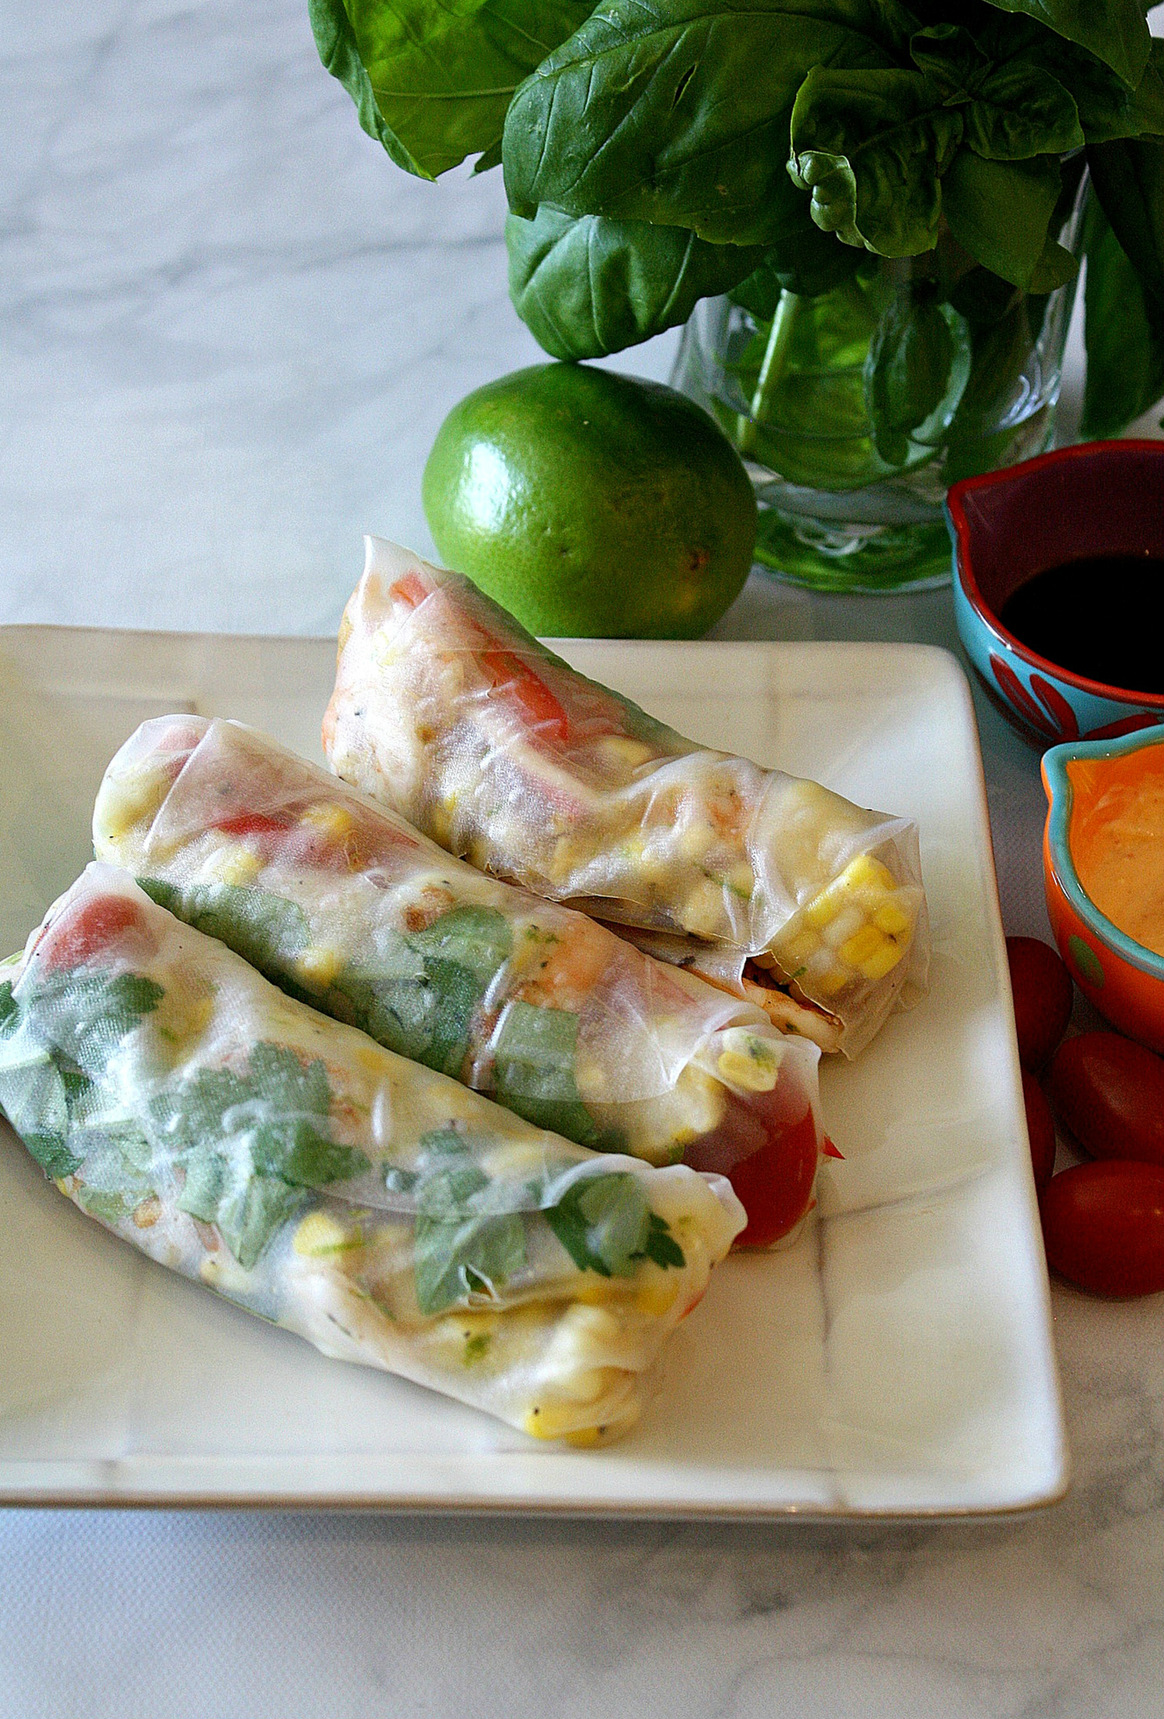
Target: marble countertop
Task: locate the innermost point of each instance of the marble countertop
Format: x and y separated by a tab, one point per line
231	330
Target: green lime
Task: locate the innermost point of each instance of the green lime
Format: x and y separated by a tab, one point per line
592	504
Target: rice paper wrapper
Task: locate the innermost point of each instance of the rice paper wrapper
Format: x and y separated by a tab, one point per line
374	1206
445	708
340	902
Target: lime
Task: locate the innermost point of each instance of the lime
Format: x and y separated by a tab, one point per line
592	504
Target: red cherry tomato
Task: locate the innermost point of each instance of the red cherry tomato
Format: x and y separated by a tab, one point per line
410	590
1042	998
84	932
1103	1226
1041	1129
252	824
515	679
770	1163
1110	1093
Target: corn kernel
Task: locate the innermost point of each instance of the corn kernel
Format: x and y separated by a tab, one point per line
883	962
862	946
741	880
620	751
892	920
656	1293
830	980
823	907
584	1437
147	1212
330	819
319	964
742	1070
866	870
703	911
318	1234
552	1420
796	950
237	865
696	841
845	926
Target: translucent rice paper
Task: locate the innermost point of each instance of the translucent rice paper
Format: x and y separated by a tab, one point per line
341	902
379	1209
449	711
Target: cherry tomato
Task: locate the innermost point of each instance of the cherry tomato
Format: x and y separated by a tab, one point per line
516	680
410	590
1110	1093
1042	998
1103	1226
85	931
252	824
771	1165
1041	1129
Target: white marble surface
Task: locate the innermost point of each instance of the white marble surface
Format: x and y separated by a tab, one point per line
230	330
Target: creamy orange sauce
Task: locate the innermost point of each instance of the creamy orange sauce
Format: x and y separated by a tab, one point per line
1117	844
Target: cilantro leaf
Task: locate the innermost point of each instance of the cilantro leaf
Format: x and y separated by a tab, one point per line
605	1225
251	1142
463	1245
419	997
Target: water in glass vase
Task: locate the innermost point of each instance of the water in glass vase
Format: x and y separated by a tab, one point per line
855	409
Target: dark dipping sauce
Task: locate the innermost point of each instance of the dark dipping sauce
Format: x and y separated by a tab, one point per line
1097	617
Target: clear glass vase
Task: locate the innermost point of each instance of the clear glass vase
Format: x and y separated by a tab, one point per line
856	408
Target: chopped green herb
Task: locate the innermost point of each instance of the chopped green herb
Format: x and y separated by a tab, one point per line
249	1142
264	928
534	1061
462	1247
605	1225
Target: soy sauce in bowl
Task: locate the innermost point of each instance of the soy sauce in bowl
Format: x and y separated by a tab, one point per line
1097	617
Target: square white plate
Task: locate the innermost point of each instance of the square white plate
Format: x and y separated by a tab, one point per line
896	1361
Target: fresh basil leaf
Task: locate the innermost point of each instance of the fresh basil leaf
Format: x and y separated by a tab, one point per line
264	928
871	146
252	1212
1107	107
1123	331
605	1224
1128	177
950	57
336	43
533	1071
477	938
919	364
116	1177
1020	110
431	81
812	264
590	286
460	1251
9	1010
1000	211
1115	31
657	111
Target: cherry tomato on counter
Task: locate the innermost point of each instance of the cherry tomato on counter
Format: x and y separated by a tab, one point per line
1103	1226
1110	1093
1041	1129
1042	998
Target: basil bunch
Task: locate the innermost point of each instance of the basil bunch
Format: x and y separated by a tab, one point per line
659	151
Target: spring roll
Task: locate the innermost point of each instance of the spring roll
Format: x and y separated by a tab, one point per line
368	1203
446	709
343	904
